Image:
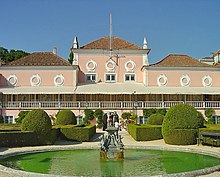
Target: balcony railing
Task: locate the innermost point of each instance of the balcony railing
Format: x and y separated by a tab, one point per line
77	105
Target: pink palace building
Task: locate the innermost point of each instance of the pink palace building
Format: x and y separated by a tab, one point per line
112	75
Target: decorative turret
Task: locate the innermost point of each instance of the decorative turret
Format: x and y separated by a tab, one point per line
145	43
54	50
75	43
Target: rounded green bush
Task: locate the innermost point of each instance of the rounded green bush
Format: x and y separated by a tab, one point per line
180	116
37	121
65	117
155	119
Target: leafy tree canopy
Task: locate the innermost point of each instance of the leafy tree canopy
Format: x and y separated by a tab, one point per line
10	55
70	59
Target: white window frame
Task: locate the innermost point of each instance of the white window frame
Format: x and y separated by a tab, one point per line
111	77
11	119
130	74
90	74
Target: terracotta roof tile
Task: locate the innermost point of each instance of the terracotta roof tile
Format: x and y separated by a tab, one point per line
117	43
177	60
40	59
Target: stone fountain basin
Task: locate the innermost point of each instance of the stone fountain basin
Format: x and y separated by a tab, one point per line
16	151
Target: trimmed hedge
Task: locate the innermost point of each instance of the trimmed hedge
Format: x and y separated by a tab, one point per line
25	138
214	128
182	136
39	122
66	117
78	132
10	127
155	119
145	132
183	118
17	139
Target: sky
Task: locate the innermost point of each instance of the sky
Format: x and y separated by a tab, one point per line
188	27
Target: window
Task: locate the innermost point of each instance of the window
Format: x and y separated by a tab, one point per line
129	77
110	78
8	119
91	77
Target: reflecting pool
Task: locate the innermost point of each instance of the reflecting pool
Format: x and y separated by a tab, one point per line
87	163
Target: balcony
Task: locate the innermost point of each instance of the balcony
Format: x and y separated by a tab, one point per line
105	105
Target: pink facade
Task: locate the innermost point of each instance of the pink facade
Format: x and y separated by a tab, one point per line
44	80
174	77
46	75
120	67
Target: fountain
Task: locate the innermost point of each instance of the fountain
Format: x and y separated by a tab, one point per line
111	146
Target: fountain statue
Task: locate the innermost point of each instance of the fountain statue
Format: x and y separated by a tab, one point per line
111	146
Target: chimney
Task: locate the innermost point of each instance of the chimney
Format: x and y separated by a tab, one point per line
55	50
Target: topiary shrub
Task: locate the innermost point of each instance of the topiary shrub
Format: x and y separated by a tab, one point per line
99	115
21	116
39	122
209	112
66	117
77	132
1	119
182	136
89	115
126	115
150	111
155	119
145	132
201	120
182	117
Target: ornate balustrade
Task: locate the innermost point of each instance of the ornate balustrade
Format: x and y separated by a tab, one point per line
104	104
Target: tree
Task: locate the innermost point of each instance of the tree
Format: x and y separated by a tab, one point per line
99	115
126	115
209	112
7	56
89	115
70	59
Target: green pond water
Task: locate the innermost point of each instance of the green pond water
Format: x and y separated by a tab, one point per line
87	163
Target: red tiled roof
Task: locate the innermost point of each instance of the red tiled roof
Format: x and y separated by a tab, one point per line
117	43
177	60
40	59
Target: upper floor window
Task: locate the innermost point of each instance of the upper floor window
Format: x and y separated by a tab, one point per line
110	78
129	77
90	77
